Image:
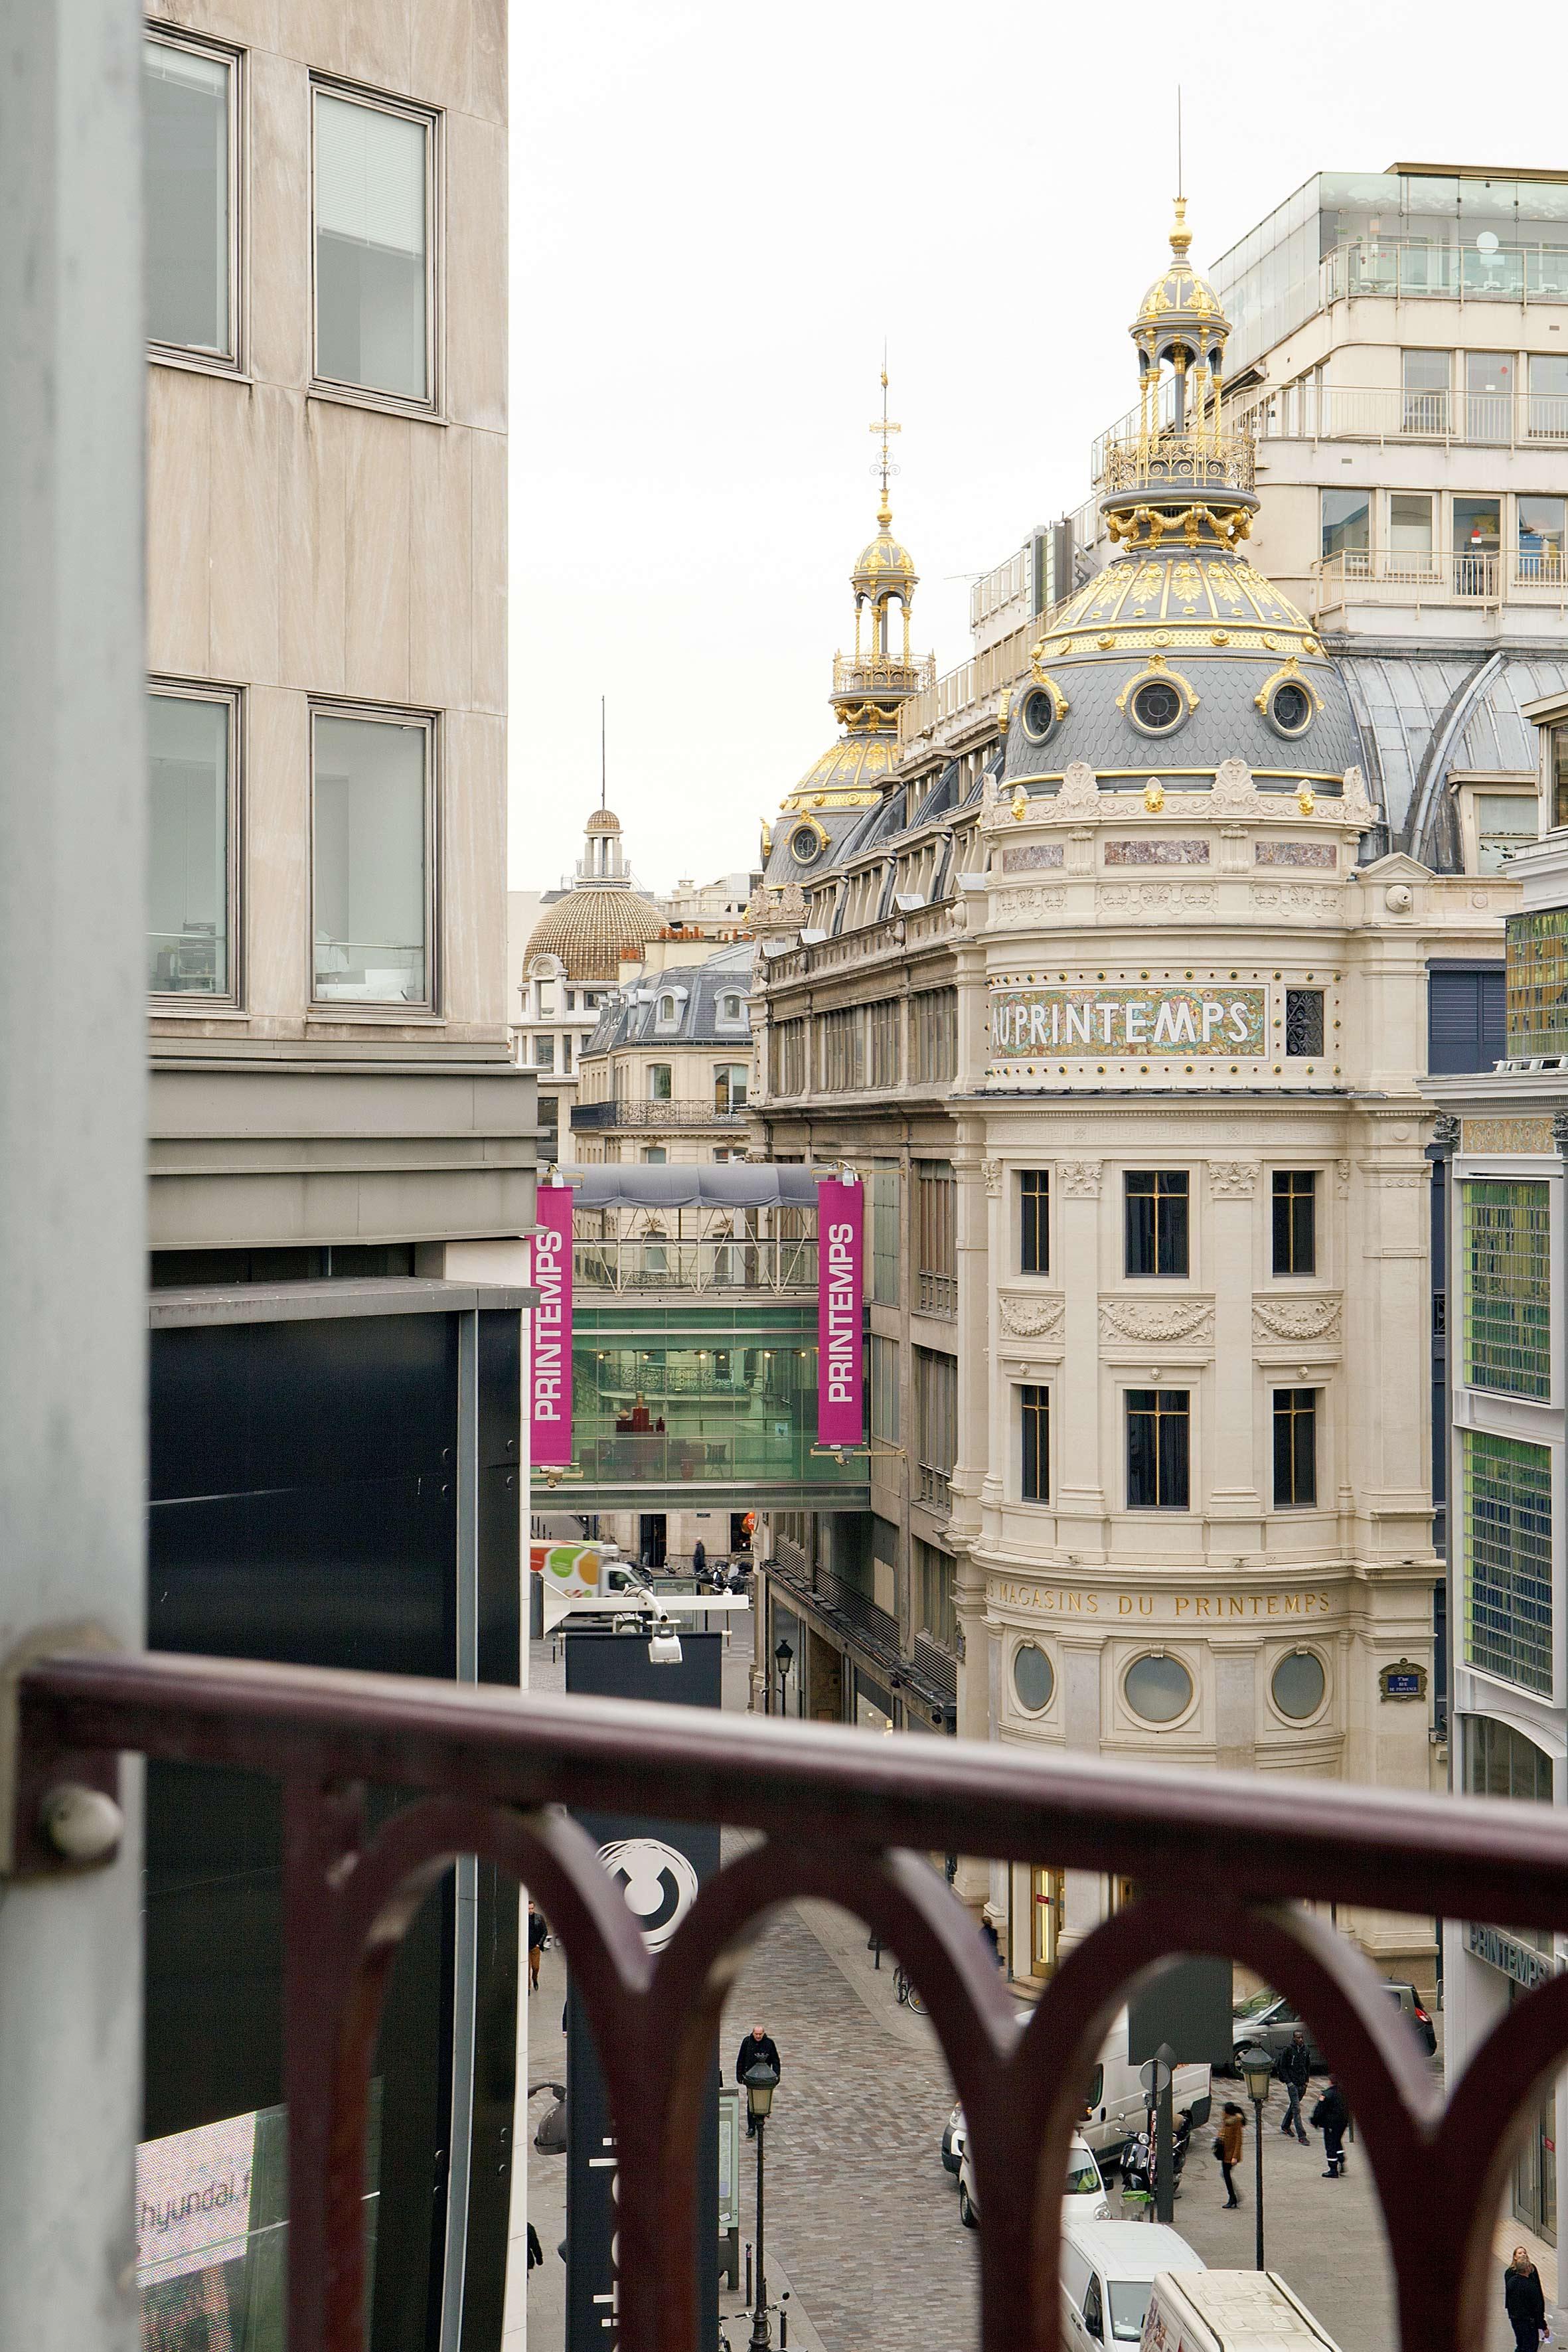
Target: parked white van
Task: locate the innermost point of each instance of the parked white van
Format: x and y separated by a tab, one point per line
1115	2106
1229	2311
1083	2198
1108	2274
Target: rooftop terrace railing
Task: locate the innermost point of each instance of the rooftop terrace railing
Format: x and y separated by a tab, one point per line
1215	1859
1307	411
1439	575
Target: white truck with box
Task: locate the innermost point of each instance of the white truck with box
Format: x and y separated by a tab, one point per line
1229	2311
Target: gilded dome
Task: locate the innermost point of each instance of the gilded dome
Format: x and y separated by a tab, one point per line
591	929
1179	596
603	821
857	764
1179	296
883	562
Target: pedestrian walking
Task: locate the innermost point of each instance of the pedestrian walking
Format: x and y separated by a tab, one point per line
537	1932
699	1558
1231	2129
1295	2073
1524	2302
1331	2116
758	2049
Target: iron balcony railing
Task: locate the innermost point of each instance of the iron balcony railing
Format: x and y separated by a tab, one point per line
1215	1860
1438	576
621	1111
881	674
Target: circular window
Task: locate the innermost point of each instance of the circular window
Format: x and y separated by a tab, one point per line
1290	708
1158	1689
804	844
1032	1677
1299	1684
1039	714
1158	708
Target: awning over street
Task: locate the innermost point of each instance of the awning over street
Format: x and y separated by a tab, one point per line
730	1185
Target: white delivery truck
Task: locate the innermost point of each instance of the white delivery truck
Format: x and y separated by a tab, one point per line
1108	2274
1229	2311
1116	2102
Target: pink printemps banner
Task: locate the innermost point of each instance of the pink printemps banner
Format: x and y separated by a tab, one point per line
841	1259
552	1328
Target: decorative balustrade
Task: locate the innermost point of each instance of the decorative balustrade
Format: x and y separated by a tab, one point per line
1198	460
623	1111
881	674
1215	1859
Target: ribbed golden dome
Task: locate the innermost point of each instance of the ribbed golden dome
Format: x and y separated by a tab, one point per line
603	821
591	929
883	562
1179	596
848	773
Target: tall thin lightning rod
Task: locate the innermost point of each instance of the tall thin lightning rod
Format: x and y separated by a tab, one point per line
1181	181
601	752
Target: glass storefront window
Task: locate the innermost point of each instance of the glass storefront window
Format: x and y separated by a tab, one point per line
1506	1515
1501	1762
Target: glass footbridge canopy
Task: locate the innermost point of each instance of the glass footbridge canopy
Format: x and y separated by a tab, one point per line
694	1348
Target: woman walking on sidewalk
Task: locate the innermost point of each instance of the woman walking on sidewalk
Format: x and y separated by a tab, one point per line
1231	2130
1524	2302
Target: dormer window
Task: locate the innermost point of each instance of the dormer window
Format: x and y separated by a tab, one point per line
731	1009
668	1013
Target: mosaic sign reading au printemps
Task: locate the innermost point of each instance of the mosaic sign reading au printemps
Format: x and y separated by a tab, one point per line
1130	1021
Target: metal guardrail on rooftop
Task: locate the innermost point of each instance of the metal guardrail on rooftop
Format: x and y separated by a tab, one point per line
1308	411
1469	576
1214	1857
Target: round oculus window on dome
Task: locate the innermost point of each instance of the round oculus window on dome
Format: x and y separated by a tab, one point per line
1032	1680
1291	709
1158	707
806	845
1039	715
1298	1684
1158	1688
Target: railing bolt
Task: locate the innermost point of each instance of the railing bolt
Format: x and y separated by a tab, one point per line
83	1824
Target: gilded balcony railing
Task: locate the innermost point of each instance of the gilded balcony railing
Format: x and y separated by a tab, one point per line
1198	460
879	674
1215	1860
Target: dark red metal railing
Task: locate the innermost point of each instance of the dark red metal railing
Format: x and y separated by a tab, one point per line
1218	1860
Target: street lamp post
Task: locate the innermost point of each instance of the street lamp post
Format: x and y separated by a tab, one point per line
1258	2066
784	1658
762	2081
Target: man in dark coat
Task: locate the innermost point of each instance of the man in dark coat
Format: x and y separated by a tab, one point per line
1523	2301
700	1559
758	2049
1295	2074
1330	2116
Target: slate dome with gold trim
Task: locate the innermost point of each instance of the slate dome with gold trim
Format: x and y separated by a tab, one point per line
883	561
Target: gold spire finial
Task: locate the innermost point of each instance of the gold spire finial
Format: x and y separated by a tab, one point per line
884	464
1181	235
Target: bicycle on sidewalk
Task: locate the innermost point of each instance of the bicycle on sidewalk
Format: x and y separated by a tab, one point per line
905	1987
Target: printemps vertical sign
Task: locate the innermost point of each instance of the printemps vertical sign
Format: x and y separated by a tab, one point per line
841	1366
552	1376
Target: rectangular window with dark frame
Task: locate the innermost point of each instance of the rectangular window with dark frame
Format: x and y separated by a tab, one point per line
1295	1449
936	1426
1159	1446
1033	1221
1303	1022
1295	1221
1157	1221
936	1238
1034	1406
371	919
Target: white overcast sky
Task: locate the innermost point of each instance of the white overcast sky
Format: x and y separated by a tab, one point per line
718	212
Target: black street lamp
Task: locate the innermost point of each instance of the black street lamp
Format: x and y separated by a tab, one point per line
760	2081
1258	2066
784	1658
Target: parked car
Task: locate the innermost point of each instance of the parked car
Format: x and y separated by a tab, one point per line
952	2141
1108	2274
1406	1997
1269	2021
1211	2311
1083	2198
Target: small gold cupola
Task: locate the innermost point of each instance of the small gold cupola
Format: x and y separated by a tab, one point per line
1174	466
